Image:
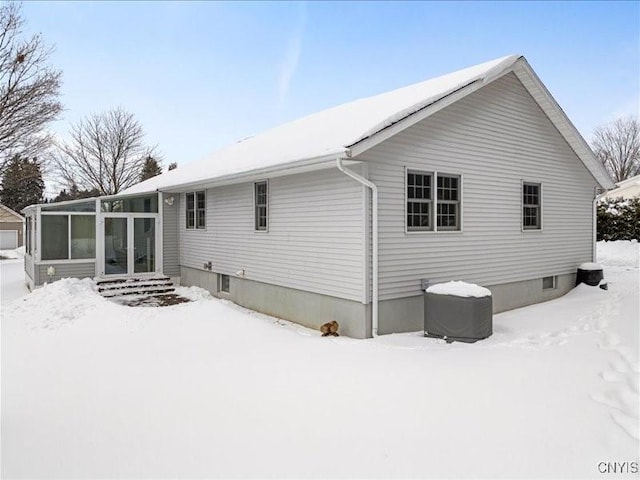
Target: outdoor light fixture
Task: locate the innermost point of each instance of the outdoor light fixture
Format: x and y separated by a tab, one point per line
169	201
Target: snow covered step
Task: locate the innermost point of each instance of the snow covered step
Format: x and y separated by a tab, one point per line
128	286
134	286
140	291
130	280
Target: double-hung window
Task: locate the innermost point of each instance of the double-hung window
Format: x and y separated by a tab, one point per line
448	202
531	206
196	210
419	201
426	201
260	197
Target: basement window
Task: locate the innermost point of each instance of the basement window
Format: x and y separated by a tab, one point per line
549	283
223	283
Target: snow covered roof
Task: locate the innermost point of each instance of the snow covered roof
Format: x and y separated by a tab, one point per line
628	188
326	135
629	181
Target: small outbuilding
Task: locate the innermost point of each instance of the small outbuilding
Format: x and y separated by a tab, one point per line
11	228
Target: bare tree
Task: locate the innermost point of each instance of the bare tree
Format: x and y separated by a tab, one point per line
617	145
106	152
29	89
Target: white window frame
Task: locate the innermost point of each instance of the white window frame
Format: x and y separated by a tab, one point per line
255	208
522	205
69	242
196	210
429	201
458	202
434	202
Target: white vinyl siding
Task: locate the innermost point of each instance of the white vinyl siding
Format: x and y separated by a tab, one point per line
64	270
170	247
494	138
315	241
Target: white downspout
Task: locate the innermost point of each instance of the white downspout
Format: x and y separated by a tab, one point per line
594	227
374	247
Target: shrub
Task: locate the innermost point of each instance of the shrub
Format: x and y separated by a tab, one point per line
619	219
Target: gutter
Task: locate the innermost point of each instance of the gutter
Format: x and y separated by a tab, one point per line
238	177
374	255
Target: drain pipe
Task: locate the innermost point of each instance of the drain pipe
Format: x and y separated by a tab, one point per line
374	261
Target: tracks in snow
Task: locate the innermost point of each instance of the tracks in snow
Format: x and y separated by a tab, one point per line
621	392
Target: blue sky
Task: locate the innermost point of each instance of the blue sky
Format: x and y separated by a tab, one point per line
201	75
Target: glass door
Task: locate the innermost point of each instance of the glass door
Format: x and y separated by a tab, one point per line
144	245
116	246
129	245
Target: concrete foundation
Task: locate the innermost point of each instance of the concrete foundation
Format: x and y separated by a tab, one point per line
520	294
401	315
395	316
306	308
407	314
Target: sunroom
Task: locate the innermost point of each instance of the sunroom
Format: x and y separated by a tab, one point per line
104	237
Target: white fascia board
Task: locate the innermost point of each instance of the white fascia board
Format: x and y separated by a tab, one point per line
116	196
67	202
556	115
301	166
428	110
410	120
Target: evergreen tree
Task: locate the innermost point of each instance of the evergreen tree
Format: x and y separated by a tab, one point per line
173	166
22	184
150	169
619	219
74	193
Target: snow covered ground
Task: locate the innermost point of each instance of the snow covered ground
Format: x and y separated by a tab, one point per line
208	389
12	254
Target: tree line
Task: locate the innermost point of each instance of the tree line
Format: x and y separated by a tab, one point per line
107	152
